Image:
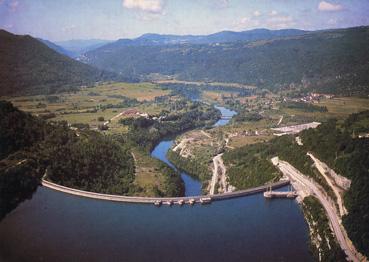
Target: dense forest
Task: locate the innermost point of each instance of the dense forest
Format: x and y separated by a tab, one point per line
192	166
182	115
333	61
339	146
27	66
250	166
95	163
31	148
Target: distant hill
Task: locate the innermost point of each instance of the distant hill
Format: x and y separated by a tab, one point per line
28	66
335	61
221	37
58	48
79	47
252	35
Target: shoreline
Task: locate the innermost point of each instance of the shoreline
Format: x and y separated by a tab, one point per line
152	200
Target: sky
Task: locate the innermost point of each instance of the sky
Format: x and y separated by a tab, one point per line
60	20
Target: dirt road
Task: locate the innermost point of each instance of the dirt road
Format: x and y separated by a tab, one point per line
332	215
323	170
219	172
280	120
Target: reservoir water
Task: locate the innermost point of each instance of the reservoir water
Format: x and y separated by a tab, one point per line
54	226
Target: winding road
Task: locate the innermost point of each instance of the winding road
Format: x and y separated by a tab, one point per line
294	175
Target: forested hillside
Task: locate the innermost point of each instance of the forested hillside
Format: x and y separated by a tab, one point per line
28	66
336	143
335	61
58	48
340	147
30	146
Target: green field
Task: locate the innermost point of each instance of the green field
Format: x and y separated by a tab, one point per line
86	106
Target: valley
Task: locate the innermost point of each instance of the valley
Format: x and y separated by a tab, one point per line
166	119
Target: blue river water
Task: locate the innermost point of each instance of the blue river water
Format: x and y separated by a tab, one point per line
55	226
192	185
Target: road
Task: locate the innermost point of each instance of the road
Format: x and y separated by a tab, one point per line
151	200
280	121
17	164
114	117
206	134
333	217
322	168
219	171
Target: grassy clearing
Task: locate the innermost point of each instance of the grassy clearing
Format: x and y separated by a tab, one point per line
151	175
147	172
341	107
84	106
216	96
200	83
251	132
248	140
139	91
91	97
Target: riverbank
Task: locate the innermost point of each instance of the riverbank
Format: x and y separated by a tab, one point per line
193	151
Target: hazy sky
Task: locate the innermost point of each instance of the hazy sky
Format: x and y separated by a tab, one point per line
112	19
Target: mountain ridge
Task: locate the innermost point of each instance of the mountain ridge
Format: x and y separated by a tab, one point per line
58	48
28	66
333	61
219	37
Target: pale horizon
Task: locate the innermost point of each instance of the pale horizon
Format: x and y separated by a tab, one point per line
117	19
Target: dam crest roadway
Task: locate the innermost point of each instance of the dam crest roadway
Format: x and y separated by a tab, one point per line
204	199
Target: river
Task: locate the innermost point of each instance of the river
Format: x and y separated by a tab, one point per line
192	185
54	226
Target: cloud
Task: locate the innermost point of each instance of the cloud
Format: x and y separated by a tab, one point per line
329	7
273	12
150	6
